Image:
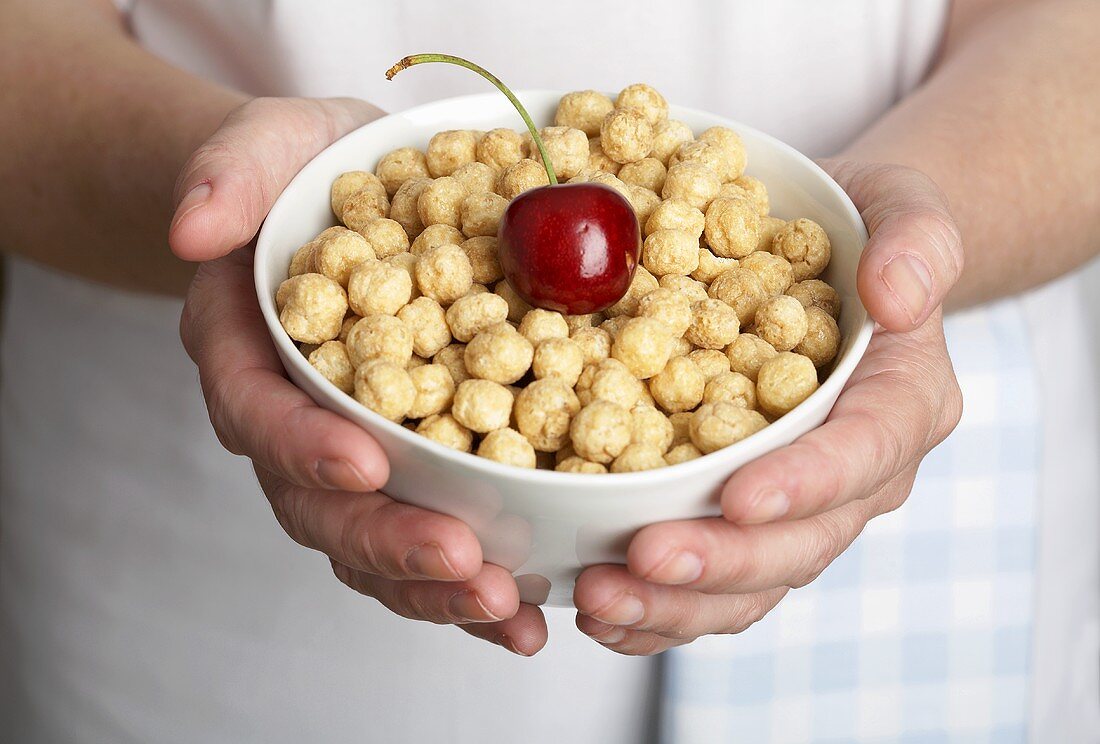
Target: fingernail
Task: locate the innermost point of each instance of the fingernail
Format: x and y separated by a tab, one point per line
427	560
681	567
766	506
196	197
468	606
612	636
341	474
909	279
626	610
506	642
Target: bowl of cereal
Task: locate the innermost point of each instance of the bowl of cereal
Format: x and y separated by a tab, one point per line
557	437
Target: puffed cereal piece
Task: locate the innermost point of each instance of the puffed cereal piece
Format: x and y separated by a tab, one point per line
500	148
646	99
558	357
346	327
362	207
614	325
385	388
707	154
711	362
668	136
445	429
594	343
441	202
710	266
482	405
521	176
338	251
676	214
481	214
649	173
822	339
599	161
775	273
444	273
350	183
435	236
732	146
517	306
304	259
637	457
769	226
539	325
805	245
448	151
476	177
544	410
415	361
331	360
567	148
386	237
816	293
679	386
576	322
426	321
453	357
378	287
733	387
626	135
680	347
682	453
482	253
574	464
782	322
609	380
670	252
473	313
435	389
714	324
407	263
403	207
717	425
784	381
399	166
685	285
509	447
643	201
681	425
692	183
311	307
732	227
583	110
752	189
668	307
640	285
747	354
644	346
650	426
742	290
379	337
601	431
499	355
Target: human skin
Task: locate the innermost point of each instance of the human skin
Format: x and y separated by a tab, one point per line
1021	69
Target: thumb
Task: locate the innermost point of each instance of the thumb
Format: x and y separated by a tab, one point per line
914	255
228	185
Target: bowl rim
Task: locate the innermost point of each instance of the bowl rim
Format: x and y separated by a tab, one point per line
784	428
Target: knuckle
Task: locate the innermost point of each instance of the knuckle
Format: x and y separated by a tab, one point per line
818	552
751	609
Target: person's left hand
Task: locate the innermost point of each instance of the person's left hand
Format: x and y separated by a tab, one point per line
789	514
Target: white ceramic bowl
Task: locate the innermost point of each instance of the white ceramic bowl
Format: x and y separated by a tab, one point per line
545	526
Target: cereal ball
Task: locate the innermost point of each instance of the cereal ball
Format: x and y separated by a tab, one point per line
775	273
441	202
711	362
594	343
649	173
732	387
338	252
686	286
643	345
331	360
379	337
481	213
816	293
500	148
668	307
378	287
742	290
386	237
668	136
784	381
679	386
303	261
414	362
473	313
614	325
822	339
425	320
446	430
682	453
701	153
482	405
609	380
576	464
692	183
733	148
769	226
385	388
539	325
717	425
435	389
747	354
509	447
448	151
710	266
650	426
601	431
558	357
782	322
499	355
680	347
435	236
638	457
350	183
519	177
517	306
714	324
805	245
544	410
674	214
407	263
732	228
362	207
476	177
646	99
643	201
346	327
444	273
453	357
681	424
752	189
567	148
482	254
626	135
399	166
599	161
670	252
640	285
576	322
311	307
403	207
583	110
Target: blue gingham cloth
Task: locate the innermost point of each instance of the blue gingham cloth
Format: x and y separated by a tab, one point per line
921	631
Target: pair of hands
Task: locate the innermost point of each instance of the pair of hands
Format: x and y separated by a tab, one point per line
786	516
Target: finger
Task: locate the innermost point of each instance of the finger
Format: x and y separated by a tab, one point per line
914	255
490	596
228	185
523	634
902	401
255	410
615	596
372	532
626	641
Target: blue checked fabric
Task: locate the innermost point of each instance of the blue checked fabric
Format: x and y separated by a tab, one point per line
921	631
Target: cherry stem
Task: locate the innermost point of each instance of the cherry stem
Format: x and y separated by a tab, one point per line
419	59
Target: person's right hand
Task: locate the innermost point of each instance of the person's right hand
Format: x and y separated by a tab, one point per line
320	472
